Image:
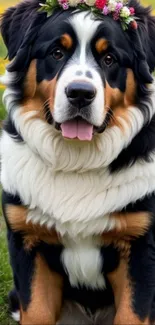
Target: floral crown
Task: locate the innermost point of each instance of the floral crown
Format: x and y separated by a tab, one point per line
117	9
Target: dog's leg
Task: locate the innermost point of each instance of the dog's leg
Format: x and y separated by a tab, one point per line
133	283
46	296
39	288
125	315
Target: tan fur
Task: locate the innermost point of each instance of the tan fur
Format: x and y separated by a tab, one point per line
30	83
37	95
48	89
33	234
119	102
101	45
131	226
131	89
33	100
46	296
66	41
122	288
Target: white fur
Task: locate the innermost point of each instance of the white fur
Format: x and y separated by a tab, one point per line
16	316
85	28
83	263
76	202
69	156
8	78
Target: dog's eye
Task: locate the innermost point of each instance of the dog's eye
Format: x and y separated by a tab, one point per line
108	60
57	54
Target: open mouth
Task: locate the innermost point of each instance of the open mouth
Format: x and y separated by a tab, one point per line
77	128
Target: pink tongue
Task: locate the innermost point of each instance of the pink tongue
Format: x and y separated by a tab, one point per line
77	129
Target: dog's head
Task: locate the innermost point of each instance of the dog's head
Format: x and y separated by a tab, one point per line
80	72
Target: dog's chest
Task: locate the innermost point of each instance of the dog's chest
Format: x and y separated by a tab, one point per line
75	203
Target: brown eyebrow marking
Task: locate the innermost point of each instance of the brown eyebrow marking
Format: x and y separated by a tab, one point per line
101	45
66	41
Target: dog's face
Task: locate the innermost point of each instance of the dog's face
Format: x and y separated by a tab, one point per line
84	71
81	73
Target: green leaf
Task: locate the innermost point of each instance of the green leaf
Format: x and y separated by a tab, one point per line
128	20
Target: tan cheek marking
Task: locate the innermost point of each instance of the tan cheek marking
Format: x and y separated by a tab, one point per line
34	104
131	88
33	234
119	102
101	45
45	94
32	100
66	41
114	100
123	294
46	296
48	89
113	97
128	227
30	83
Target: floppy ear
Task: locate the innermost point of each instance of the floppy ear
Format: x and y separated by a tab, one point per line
143	41
19	26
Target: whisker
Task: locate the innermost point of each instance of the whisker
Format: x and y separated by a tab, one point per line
47	101
110	113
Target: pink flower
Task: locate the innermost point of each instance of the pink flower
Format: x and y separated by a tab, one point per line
105	10
61	2
119	6
132	11
65	6
116	16
100	3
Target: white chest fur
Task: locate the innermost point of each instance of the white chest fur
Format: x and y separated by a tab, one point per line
83	262
77	204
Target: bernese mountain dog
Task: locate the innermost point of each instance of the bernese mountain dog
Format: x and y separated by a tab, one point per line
78	166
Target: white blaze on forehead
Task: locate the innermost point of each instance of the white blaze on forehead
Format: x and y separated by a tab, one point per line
85	27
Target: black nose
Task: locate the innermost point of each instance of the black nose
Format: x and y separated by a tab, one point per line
80	93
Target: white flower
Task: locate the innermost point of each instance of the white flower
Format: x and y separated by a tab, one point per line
112	5
90	2
125	12
73	3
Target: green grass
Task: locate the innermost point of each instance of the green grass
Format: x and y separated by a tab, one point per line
5	270
5	277
2	110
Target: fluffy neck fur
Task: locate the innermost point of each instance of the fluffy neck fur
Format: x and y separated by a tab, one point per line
63	181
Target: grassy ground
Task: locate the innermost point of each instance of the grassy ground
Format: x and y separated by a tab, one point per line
5	277
5	271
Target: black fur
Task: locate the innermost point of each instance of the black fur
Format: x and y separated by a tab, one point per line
22	275
141	272
141	147
10	128
14	303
